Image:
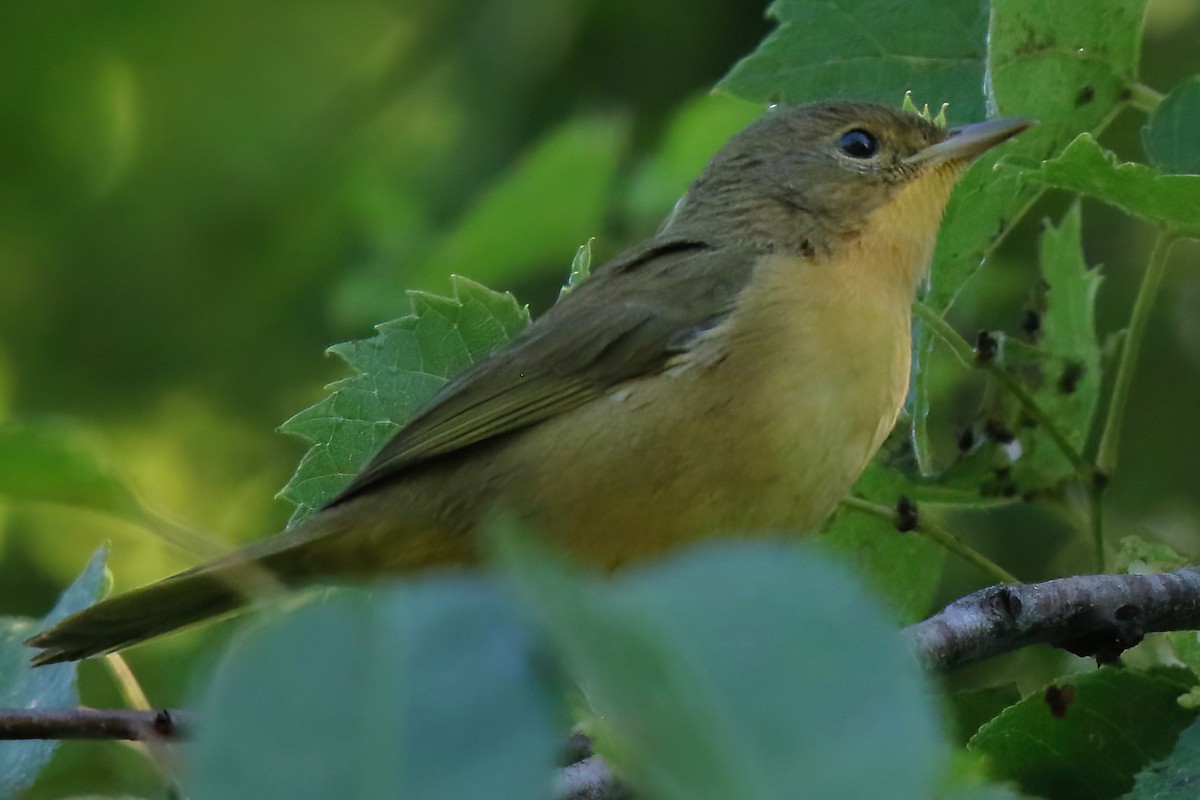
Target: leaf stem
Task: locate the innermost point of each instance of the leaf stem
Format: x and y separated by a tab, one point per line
1144	98
934	532
1106	456
966	353
1095	496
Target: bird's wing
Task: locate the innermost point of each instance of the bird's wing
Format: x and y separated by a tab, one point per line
623	322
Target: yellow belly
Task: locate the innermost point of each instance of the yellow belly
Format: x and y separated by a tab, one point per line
763	434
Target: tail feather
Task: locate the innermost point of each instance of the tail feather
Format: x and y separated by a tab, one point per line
333	544
139	615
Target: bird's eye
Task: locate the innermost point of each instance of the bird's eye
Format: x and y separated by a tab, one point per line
858	143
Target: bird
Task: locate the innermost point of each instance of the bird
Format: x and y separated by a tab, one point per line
731	375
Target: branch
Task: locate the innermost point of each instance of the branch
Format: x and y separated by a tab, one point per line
589	779
1088	615
94	723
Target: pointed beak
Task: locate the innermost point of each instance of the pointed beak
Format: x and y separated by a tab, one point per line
970	141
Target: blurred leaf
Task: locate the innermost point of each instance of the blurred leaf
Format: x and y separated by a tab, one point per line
397	371
1137	555
555	196
1171	137
1172	201
750	670
58	462
1176	777
1186	645
905	568
699	128
427	690
869	50
1113	722
53	686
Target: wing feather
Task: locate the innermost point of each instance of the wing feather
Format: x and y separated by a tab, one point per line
624	322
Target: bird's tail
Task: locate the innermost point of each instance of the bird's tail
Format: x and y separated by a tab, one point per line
314	551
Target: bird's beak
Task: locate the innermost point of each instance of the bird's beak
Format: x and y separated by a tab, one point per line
970	141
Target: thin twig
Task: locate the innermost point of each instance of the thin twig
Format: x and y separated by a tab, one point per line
1106	456
94	723
1145	98
935	532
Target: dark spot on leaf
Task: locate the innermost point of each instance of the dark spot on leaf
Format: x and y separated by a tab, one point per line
1086	95
906	515
1100	479
1059	698
1031	323
1125	94
1068	382
985	347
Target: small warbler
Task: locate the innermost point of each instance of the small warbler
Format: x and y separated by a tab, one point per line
732	374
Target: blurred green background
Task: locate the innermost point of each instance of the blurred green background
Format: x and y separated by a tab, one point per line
196	199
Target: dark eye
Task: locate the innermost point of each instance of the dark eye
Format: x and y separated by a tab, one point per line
858	143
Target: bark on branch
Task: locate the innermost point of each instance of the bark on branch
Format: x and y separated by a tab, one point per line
1088	615
94	723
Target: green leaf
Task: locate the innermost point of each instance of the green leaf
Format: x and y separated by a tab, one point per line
553	198
58	462
747	670
53	686
397	371
869	50
1113	723
427	690
970	709
1066	362
1046	61
1172	201
581	267
1069	71
905	568
1176	777
1171	137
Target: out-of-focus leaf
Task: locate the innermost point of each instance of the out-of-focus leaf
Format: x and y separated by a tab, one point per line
53	686
1176	777
869	50
1171	136
430	690
1172	201
749	670
397	371
698	130
57	462
1088	736
552	199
